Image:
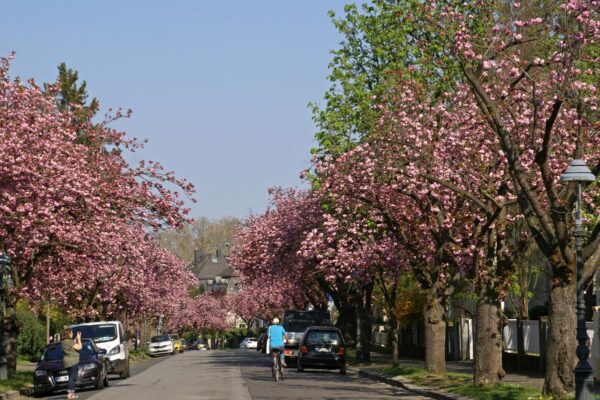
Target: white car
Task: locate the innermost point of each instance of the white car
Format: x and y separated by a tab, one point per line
161	344
248	343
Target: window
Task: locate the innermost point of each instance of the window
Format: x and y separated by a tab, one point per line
323	337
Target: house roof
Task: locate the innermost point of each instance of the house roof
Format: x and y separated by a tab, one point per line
211	266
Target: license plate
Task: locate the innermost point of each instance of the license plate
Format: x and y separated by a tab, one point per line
324	350
62	378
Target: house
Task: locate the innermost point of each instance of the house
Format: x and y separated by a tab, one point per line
214	272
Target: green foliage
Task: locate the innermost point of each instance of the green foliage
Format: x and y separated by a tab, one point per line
141	353
32	336
73	97
382	41
70	94
234	337
196	291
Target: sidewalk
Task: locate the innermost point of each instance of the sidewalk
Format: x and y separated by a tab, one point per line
379	360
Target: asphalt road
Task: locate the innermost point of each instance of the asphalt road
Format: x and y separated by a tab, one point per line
136	368
237	375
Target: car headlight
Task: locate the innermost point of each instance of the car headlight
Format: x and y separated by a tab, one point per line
114	351
87	367
40	372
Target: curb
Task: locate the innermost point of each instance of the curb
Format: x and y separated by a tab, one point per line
407	385
12	394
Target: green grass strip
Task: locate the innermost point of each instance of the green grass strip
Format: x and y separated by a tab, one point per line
463	384
21	380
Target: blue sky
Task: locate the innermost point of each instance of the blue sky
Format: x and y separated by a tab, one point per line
219	88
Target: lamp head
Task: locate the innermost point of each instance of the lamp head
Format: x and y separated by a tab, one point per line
578	172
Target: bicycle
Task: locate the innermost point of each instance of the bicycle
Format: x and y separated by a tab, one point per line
276	367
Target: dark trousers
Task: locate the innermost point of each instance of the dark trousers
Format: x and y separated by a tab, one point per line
73	371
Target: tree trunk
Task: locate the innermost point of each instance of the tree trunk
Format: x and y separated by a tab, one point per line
435	334
11	335
488	347
560	353
367	324
48	322
394	339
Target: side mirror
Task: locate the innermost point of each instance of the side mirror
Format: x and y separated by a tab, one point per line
102	351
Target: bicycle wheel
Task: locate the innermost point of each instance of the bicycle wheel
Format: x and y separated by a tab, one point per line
280	370
277	371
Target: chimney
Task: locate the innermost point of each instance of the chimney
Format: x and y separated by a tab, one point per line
198	256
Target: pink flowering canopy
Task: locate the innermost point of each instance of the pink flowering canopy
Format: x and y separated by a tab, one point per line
75	219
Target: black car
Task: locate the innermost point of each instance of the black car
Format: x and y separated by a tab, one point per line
50	375
322	347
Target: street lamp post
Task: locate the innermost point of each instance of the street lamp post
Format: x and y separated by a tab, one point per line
579	173
4	264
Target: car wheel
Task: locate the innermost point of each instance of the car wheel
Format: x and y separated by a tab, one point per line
100	384
125	374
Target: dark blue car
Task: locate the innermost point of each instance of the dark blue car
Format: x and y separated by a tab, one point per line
50	374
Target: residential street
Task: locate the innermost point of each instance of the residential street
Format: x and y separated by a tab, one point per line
240	375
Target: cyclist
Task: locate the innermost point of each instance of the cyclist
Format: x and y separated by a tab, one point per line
277	335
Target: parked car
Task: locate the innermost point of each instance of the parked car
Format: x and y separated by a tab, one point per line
110	336
248	343
177	343
50	374
322	347
261	343
200	344
186	345
161	344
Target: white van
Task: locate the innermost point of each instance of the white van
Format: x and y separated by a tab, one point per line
111	336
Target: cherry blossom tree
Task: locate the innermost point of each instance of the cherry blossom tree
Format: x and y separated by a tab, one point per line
532	76
74	217
266	255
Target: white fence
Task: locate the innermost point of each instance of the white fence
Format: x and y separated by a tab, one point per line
531	338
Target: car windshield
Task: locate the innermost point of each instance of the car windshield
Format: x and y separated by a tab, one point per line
55	353
98	333
323	337
251	339
161	338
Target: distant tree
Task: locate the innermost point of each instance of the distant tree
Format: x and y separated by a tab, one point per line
202	234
